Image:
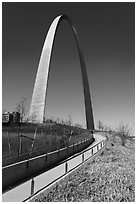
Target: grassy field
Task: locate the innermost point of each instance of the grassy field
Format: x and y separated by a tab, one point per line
16	147
109	178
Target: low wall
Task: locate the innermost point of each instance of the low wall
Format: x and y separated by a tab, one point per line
20	172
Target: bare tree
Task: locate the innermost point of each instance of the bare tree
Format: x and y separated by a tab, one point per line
123	132
100	125
69	120
22	109
62	121
58	120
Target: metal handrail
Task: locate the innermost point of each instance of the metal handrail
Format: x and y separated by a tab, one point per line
66	167
79	153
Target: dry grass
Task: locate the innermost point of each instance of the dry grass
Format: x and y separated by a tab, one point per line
109	178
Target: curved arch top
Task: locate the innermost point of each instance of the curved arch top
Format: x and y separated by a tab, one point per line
40	88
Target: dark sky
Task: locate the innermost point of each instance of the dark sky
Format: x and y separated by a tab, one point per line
107	37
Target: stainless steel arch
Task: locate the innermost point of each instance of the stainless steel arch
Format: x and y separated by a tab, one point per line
40	88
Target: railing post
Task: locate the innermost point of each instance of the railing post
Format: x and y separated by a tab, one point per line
58	152
20	144
9	143
46	157
97	147
66	167
82	158
32	186
92	151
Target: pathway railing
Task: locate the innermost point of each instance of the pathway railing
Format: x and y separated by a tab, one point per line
85	155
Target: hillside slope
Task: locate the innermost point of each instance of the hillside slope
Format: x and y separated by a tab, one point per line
109	178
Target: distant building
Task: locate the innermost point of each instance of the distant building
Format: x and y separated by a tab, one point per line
5	117
11	118
16	117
